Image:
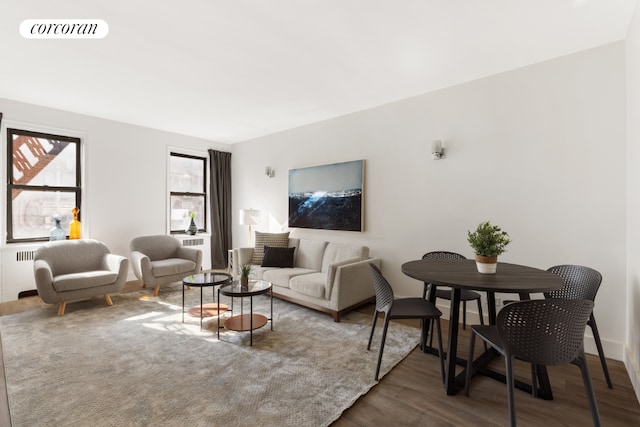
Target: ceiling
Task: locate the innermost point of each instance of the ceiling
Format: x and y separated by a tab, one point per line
229	71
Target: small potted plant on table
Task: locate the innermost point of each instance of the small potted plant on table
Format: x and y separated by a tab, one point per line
487	242
245	270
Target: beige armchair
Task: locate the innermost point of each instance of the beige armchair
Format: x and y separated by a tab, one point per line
68	270
161	259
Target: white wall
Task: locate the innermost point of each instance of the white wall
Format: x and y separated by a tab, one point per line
632	353
539	151
125	171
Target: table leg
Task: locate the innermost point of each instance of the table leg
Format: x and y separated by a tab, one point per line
429	325
201	310
454	318
183	303
491	305
219	315
271	320
544	391
251	320
432	293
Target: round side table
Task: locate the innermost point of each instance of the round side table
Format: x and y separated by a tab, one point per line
203	280
246	322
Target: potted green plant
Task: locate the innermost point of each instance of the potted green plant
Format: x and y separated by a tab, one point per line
245	270
487	242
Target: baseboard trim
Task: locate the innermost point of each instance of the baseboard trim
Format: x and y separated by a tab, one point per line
632	370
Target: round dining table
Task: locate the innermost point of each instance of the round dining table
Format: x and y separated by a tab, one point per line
462	274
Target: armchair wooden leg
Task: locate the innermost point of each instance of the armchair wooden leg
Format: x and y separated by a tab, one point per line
63	305
107	298
156	290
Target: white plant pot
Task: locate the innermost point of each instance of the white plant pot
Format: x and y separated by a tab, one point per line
486	265
486	268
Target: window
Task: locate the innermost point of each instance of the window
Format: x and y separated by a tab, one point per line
43	181
188	191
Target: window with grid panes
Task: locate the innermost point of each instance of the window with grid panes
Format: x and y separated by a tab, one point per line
43	176
188	191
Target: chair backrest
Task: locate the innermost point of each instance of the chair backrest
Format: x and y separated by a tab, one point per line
72	256
579	282
442	255
156	247
544	331
384	292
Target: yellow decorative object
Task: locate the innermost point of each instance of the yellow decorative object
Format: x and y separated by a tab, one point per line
74	226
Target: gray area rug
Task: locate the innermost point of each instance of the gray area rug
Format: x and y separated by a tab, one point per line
136	364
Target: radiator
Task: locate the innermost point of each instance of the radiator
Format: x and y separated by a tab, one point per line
199	241
16	271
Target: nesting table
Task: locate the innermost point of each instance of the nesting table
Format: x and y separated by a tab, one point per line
246	322
203	280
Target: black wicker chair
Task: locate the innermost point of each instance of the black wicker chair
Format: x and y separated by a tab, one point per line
465	295
401	308
541	332
581	283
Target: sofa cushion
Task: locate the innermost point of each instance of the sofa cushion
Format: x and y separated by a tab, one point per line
171	266
275	240
336	252
278	257
282	276
257	272
310	254
87	279
313	284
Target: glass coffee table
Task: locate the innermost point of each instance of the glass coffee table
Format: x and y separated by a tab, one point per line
203	280
246	322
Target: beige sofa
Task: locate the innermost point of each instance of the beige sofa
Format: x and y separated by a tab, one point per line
325	276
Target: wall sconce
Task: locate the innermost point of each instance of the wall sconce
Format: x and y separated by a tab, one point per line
269	172
437	150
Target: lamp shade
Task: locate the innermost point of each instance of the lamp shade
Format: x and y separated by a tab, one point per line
250	216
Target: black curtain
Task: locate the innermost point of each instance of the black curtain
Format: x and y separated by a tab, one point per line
221	219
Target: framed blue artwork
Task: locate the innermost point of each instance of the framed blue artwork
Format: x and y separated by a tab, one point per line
327	197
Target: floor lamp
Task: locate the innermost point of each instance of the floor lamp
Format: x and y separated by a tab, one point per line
250	217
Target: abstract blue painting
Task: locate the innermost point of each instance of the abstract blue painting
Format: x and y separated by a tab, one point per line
327	197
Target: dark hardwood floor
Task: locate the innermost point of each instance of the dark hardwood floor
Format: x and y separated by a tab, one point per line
412	393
